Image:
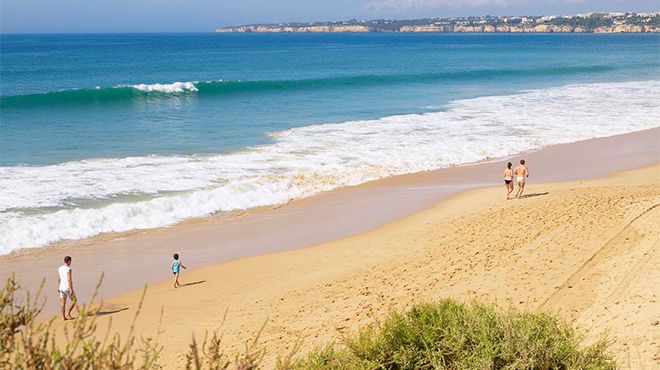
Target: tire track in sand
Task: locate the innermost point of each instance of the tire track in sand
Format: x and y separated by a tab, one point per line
574	292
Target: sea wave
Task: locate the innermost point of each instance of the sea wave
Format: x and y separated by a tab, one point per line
73	200
128	93
173	88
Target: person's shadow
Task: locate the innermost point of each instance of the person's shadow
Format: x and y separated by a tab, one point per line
102	312
193	283
105	312
534	195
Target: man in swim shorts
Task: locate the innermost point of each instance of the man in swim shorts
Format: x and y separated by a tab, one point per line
522	173
66	288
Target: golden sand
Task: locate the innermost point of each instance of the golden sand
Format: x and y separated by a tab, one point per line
586	249
129	260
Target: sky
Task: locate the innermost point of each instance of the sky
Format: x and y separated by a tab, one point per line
80	16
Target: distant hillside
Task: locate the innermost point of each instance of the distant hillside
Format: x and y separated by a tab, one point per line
589	22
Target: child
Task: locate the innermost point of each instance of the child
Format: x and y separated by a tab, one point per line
176	268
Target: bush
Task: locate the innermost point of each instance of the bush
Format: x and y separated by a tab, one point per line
26	343
450	335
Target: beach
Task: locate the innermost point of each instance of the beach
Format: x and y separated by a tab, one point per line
121	146
130	260
313	182
582	243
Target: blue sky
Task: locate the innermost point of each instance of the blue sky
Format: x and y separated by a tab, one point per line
46	16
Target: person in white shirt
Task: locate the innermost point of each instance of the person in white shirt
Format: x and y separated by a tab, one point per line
66	288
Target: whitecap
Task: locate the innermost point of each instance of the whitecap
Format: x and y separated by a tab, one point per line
42	205
175	87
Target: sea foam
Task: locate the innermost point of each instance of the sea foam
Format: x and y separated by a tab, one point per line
175	87
73	200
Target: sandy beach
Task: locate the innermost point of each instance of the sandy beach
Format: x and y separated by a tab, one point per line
585	249
130	260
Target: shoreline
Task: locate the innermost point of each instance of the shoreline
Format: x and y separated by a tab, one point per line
141	192
141	257
584	250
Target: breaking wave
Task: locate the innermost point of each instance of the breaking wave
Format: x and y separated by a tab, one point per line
173	88
40	205
128	93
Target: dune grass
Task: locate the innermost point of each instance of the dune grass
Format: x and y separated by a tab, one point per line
29	343
443	335
452	335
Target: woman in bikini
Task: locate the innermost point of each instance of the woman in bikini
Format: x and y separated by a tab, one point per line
508	180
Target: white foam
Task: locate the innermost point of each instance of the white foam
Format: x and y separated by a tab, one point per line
42	205
175	87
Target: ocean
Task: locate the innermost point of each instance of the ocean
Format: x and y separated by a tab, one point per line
117	132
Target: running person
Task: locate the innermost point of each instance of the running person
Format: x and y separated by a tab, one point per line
522	173
508	180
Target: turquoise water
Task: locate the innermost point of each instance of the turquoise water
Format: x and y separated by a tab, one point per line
104	133
60	101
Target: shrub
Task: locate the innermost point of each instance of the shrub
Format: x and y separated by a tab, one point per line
26	343
451	335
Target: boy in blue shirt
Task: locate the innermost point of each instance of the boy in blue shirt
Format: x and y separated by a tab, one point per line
176	269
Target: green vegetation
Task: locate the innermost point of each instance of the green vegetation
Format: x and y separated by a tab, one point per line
445	335
590	23
451	335
644	21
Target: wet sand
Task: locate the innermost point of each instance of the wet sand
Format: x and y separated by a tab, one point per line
133	259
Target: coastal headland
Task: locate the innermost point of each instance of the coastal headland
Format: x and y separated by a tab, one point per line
581	23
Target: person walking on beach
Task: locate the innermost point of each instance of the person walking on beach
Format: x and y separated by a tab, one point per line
176	269
508	180
66	289
522	173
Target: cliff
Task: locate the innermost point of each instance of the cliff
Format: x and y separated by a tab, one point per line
284	29
581	23
541	28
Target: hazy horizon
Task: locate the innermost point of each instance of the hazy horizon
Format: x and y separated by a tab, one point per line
79	16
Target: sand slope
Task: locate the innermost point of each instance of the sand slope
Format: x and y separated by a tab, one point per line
588	250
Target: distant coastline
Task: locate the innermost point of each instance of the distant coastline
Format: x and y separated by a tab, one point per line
580	23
